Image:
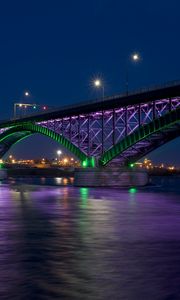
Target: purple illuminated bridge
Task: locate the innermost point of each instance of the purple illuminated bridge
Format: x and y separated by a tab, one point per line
119	129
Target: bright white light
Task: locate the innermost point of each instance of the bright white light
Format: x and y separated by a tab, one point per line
97	82
59	152
135	57
26	94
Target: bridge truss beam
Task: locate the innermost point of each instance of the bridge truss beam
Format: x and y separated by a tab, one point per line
98	135
97	132
143	140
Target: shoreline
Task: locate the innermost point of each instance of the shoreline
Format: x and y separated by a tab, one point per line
38	172
68	172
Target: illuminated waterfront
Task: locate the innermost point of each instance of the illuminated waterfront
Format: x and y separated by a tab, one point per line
62	242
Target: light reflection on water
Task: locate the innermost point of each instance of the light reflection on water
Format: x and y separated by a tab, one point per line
64	242
43	180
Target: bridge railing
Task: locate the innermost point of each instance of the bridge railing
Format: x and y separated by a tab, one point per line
112	97
99	100
107	98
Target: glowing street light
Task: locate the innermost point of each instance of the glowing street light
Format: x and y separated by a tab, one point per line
59	152
22	105
99	84
135	57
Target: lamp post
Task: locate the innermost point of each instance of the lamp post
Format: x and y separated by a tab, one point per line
135	57
99	84
24	105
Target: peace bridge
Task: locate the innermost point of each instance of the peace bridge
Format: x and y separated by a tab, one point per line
112	131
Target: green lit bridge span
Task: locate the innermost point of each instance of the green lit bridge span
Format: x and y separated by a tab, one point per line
117	129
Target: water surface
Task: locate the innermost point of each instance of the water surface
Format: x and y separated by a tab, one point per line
62	242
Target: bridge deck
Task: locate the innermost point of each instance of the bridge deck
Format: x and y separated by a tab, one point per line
143	96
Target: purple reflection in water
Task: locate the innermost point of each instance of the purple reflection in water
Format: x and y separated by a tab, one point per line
85	243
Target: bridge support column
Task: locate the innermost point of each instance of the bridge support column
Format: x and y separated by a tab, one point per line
106	177
89	162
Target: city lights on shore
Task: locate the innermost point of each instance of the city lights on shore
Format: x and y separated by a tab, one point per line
63	161
69	161
149	165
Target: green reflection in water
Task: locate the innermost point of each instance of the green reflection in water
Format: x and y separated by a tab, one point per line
84	196
133	190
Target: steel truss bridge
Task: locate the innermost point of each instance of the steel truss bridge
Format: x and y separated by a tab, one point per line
119	129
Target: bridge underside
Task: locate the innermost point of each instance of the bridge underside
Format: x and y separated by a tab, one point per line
144	140
147	145
16	133
8	141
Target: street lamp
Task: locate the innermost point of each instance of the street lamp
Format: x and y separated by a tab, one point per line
24	106
59	152
34	106
99	84
135	57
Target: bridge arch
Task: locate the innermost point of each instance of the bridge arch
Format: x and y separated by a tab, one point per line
16	133
145	139
7	141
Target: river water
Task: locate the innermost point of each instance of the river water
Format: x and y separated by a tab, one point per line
62	242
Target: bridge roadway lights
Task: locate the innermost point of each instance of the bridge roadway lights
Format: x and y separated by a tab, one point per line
110	177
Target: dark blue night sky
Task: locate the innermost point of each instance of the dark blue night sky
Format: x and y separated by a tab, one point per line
55	48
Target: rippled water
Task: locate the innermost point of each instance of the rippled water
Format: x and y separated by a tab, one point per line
62	242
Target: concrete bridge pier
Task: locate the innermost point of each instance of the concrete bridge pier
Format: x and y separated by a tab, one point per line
106	177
